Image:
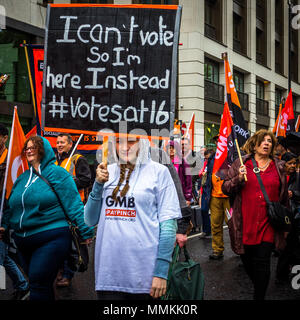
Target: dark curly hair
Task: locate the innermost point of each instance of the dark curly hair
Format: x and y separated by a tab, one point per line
38	143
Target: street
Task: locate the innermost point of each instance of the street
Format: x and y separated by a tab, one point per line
224	280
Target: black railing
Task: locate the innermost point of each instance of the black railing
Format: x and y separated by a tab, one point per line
278	67
260	58
244	100
262	107
237	46
214	92
210	31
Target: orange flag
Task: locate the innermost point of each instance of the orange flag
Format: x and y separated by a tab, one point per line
277	120
191	131
15	164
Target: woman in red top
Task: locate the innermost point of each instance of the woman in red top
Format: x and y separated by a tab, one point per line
251	234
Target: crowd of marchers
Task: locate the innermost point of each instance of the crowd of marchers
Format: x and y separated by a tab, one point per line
138	206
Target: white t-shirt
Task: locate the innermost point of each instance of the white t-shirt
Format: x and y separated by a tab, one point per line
128	231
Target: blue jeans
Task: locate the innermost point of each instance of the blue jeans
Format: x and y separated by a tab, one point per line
13	271
67	272
206	227
41	256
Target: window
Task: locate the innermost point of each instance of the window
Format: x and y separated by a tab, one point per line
294	102
238	79
240	26
279	17
262	106
6	120
211	71
261	32
210	130
260	90
260	47
260	9
278	98
13	62
279	36
294	55
236	32
213	19
278	57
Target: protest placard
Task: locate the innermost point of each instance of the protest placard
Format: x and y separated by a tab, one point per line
107	64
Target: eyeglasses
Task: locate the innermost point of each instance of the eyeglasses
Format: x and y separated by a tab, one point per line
30	149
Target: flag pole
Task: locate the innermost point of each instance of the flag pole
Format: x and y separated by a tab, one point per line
105	150
30	77
71	155
7	164
240	156
225	58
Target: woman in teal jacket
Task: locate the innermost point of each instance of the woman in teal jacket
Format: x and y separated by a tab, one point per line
40	227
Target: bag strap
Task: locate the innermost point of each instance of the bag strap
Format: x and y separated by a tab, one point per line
174	260
256	171
57	196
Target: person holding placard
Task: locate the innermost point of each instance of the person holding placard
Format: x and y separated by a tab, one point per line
135	205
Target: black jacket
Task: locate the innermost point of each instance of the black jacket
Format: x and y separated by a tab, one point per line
82	170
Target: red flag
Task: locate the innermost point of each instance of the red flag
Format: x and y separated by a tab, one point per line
225	147
32	132
35	62
287	119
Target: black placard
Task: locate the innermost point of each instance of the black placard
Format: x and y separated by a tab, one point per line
106	64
